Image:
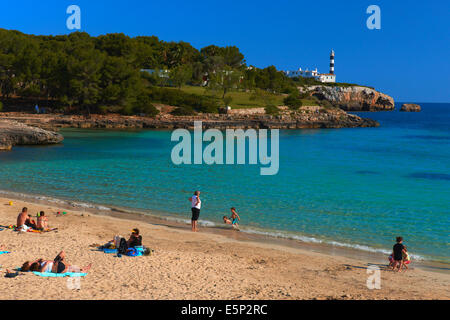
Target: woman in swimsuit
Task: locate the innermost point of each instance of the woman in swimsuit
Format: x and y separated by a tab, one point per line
42	221
58	265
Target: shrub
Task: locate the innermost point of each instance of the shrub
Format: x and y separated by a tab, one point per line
183	111
326	104
127	109
227	100
293	101
272	110
102	110
179	98
1	106
143	105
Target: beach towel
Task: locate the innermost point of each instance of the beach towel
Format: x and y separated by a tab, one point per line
2	252
42	231
59	275
110	250
132	252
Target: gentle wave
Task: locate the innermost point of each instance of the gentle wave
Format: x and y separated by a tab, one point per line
74	204
307	239
205	223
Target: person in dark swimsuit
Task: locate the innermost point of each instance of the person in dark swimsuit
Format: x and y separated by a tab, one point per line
397	254
60	265
135	239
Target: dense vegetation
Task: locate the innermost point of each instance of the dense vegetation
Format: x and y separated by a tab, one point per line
83	74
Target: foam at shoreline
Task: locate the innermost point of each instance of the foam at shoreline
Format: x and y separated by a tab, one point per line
204	223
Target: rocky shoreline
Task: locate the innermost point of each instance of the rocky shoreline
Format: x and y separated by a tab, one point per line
331	118
14	133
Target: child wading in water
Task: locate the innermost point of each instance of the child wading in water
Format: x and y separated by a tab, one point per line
233	220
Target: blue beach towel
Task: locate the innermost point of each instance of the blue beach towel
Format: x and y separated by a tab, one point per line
2	252
135	251
110	250
59	275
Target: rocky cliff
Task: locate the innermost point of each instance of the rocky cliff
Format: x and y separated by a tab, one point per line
353	98
14	133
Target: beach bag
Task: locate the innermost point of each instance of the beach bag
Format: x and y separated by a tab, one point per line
117	241
132	252
139	249
122	249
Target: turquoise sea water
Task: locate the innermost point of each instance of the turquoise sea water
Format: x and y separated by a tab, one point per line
357	187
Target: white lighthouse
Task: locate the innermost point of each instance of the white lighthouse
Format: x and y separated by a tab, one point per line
332	62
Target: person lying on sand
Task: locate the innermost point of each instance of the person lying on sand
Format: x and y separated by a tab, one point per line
32	265
58	265
42	222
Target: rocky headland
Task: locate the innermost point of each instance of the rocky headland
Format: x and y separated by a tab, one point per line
352	98
15	133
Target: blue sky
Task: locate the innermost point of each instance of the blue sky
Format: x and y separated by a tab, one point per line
408	58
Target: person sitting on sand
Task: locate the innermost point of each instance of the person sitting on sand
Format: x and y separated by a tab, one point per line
30	223
227	220
397	254
42	222
24	221
58	265
135	239
391	260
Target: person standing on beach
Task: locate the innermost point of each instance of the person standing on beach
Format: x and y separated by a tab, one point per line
397	254
196	204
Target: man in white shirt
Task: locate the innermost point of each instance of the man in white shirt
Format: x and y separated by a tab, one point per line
196	204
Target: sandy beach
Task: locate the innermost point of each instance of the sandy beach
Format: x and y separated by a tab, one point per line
188	265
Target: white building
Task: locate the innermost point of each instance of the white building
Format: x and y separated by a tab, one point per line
327	77
322	77
302	73
163	73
